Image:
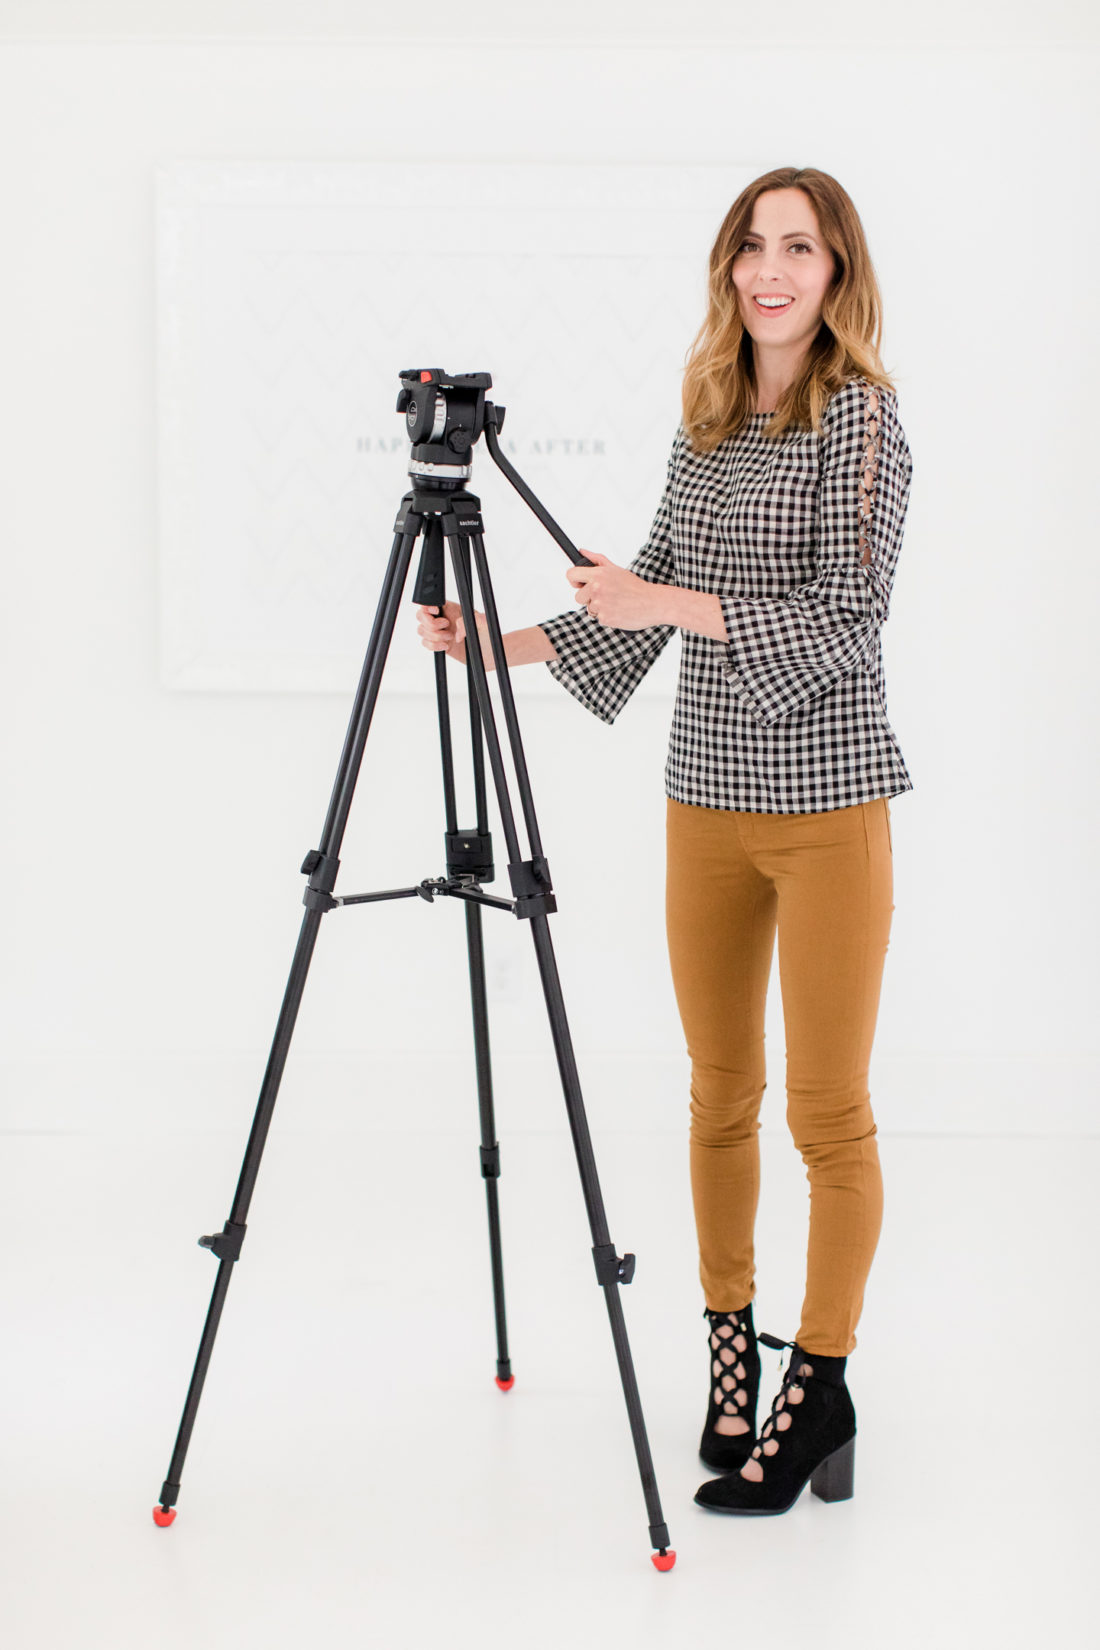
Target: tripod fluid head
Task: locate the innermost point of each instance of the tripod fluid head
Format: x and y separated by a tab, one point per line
444	415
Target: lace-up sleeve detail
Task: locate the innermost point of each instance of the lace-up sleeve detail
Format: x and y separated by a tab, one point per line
872	447
786	651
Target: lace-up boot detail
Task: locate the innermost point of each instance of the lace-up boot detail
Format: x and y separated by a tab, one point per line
810	1435
734	1388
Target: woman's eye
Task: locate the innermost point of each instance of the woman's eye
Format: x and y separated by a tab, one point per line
805	244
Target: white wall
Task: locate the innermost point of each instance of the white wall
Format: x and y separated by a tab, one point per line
152	839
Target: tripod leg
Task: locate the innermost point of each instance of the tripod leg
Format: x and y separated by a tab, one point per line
531	883
611	1269
490	1150
480	843
322	865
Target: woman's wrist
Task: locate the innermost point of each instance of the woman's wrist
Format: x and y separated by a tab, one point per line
696	610
533	646
530	646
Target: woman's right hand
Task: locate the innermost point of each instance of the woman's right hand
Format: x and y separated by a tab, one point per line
448	634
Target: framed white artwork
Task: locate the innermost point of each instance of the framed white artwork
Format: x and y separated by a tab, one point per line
289	298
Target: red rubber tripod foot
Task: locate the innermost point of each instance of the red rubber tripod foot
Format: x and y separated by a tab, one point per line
506	1386
664	1561
163	1516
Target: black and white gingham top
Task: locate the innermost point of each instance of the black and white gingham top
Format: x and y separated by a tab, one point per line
788	715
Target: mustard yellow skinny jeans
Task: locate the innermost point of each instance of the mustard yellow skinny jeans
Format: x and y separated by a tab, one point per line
825	880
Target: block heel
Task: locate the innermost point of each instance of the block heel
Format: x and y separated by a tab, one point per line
834	1478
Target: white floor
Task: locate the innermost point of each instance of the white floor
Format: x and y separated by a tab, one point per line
356	1478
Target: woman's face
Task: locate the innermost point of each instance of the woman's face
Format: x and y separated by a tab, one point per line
783	256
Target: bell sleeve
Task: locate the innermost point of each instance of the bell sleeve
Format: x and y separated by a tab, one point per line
785	651
598	664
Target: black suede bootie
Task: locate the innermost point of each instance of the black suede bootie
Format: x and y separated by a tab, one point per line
734	1387
817	1445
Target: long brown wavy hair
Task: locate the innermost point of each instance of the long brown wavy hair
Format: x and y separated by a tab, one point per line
719	388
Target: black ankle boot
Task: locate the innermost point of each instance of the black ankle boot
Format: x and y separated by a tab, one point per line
734	1387
819	1445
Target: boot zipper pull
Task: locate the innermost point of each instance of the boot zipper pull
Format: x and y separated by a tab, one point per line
774	1341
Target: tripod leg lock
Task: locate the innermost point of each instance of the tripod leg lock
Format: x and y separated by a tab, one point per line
610	1267
321	870
531	885
226	1244
490	1162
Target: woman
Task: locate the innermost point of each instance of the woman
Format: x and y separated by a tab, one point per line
773	552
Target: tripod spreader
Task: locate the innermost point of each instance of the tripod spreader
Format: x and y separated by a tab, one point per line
426	890
470	852
461	890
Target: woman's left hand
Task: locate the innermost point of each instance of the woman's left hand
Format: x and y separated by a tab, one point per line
614	596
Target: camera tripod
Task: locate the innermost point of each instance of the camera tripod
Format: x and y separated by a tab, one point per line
444	415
